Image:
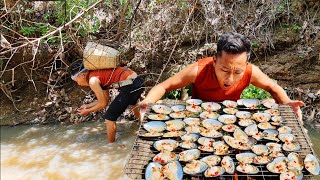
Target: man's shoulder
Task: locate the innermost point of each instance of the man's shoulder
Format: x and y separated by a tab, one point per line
205	61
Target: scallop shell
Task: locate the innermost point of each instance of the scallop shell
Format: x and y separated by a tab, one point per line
210	133
248	145
228	164
271	105
273	112
194	101
195	167
229	127
287	137
227	119
211	124
295	162
260	149
241	136
206	141
161	109
174	134
159	117
165	145
291	175
154	171
220	148
251	103
156	134
245	158
211	160
209	115
191	137
261	117
194	108
247	168
258	136
206	148
266	125
276	154
278	165
231	141
165	157
214	171
251	130
155	126
271	134
274	147
229	103
211	106
192	121
175	125
284	130
240	102
178	115
311	163
193	129
178	108
173	170
188	145
278	119
261	160
243	114
230	110
246	122
291	146
189	155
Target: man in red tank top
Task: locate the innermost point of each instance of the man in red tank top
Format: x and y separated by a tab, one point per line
223	77
100	81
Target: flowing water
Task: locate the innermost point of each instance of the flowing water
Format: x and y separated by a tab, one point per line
65	152
71	152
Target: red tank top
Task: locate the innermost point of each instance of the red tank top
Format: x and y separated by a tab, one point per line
109	76
207	88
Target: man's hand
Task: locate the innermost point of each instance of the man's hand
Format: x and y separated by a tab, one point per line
296	107
143	108
83	111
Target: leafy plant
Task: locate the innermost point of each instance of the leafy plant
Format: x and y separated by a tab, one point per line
27	30
296	28
254	92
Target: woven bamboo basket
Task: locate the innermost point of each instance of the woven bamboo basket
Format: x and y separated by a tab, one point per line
97	56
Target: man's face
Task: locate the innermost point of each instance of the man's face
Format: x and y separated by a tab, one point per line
230	68
81	79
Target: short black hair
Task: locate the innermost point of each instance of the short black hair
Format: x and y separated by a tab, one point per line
75	68
233	43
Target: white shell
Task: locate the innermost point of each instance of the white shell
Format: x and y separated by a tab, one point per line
175	125
189	155
241	136
161	109
159	117
194	108
174	134
295	162
214	171
260	149
211	124
165	145
165	157
287	137
262	160
230	110
188	145
274	147
195	167
227	119
273	112
247	168
228	164
194	101
177	115
291	175
246	122
206	141
210	133
211	160
278	165
192	121
229	127
206	148
192	137
284	130
193	129
220	148
229	103
211	106
245	158
271	105
311	163
266	125
251	130
243	114
291	146
209	115
261	117
178	108
173	170
251	103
